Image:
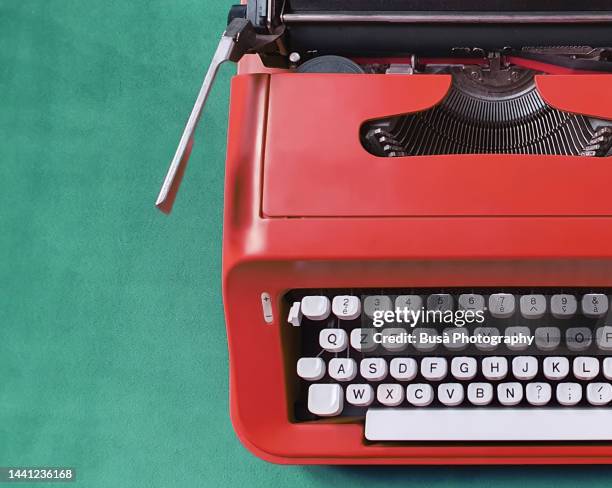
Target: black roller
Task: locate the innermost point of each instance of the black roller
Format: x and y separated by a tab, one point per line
446	5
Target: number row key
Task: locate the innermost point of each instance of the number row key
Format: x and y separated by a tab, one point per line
500	305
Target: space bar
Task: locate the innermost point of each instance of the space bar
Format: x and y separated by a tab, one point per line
489	424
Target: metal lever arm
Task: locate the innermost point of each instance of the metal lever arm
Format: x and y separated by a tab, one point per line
238	39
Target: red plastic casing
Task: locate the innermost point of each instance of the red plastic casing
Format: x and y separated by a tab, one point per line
307	207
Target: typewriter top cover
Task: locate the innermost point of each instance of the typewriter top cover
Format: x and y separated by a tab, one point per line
382	144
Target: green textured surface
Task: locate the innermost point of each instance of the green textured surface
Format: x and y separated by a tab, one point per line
112	345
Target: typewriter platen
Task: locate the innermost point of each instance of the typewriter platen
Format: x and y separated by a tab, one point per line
441	157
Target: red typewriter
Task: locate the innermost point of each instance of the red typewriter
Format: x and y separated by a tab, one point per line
417	255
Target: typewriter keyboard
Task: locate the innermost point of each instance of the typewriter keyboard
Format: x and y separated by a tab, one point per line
455	365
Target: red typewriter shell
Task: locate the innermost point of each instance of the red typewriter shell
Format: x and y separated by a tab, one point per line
303	212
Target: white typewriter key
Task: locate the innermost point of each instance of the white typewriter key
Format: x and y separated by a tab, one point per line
450	394
456	338
425	339
342	369
604	338
333	340
509	394
522	334
480	393
393	339
376	303
533	306
316	307
538	394
585	368
599	393
484	334
524	367
390	395
434	369
595	305
578	338
556	368
569	393
295	314
607	368
403	369
544	424
495	368
440	301
325	400
362	340
346	307
502	305
547	338
419	395
409	303
373	369
311	369
360	395
472	302
464	368
563	306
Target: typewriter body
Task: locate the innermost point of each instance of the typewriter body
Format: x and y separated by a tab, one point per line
418	156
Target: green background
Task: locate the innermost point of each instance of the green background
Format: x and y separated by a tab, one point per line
113	355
